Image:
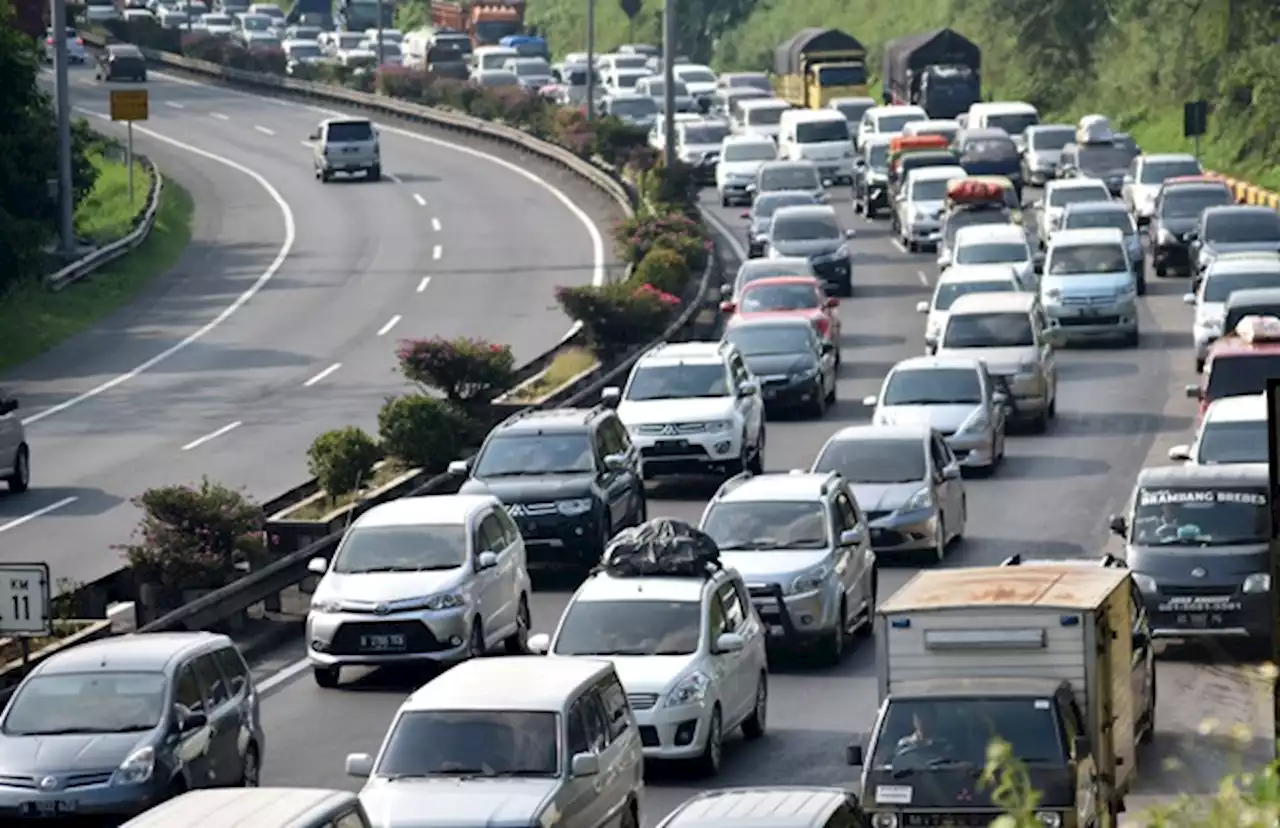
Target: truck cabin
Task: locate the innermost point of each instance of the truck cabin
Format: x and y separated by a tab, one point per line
818	64
938	70
490	23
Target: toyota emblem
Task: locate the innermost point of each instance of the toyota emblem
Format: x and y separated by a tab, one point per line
381	609
1198	573
49	783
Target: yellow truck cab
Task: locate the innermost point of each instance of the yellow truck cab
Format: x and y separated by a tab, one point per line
817	65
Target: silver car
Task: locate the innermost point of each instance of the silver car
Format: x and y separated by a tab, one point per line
760	217
436	579
15	454
349	146
753	269
1104	214
1043	151
907	481
953	394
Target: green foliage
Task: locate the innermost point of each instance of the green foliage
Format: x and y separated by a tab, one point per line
618	317
342	460
699	24
422	432
468	372
665	269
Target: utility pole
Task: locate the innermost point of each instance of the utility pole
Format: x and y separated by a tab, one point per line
381	11
669	82
591	59
66	229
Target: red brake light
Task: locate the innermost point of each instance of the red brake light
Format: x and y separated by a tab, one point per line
48	41
79	41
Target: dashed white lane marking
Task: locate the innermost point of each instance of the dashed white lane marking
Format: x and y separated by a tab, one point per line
273	681
924	280
422	202
320	376
308	144
264	130
219	116
898	245
435	224
212	435
422	286
52	507
174	105
391	323
437	252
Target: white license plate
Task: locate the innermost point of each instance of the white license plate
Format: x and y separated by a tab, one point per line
777	629
382	643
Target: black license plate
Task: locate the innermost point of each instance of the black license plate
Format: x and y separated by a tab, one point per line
673	445
383	643
50	808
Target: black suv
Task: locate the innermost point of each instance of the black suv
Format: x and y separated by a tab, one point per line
569	477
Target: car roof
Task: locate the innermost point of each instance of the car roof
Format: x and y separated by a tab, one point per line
764	103
961	274
809	115
1239	210
676	353
848	99
549	421
124	49
1193	184
936	363
799	197
1227	474
448	509
748	138
238	807
521	682
975	233
345	120
773	321
936	173
1251	261
1166	157
984	132
1097	207
1242	409
805	211
1050	128
866	431
1004	107
150	652
1076	184
1254	296
788	486
788	163
604	587
1077	236
994	302
936	123
897	109
758	807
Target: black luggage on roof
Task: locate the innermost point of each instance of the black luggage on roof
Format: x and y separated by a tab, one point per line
661	546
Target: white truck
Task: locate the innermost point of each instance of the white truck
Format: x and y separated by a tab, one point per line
1039	656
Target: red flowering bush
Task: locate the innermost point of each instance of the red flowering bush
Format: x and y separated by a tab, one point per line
663	268
468	372
637	235
191	537
618	317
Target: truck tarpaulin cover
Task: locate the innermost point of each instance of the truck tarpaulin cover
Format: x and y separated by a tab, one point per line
661	546
939	47
788	56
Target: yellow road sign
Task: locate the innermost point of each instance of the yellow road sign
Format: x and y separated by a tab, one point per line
128	104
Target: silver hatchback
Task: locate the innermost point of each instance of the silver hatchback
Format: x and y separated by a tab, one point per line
348	146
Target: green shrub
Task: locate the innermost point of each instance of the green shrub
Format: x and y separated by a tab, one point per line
421	431
665	269
342	460
637	235
619	317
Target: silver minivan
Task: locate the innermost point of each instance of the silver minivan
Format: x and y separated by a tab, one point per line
260	807
1088	289
348	146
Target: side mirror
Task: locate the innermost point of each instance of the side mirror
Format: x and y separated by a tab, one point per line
900	198
833	302
1128	179
751	188
8	407
611	396
1036	204
584	764
828	347
746	214
318	566
827	183
1054	336
1193	392
615	462
192	721
853	755
539	644
1182	453
851	233
1118	525
730	643
1188	299
1140	640
999	398
359	765
486	560
869	402
859	163
728	307
315	136
951	472
852	537
922	307
1080	747
458	468
749	388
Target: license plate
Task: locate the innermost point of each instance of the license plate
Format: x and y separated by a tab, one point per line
50	807
776	630
673	444
382	643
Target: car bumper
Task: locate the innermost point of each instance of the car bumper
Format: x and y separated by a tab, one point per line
736	191
910	532
99	804
670	457
1235	615
356	638
794	618
674	733
974	451
836	275
755	248
1029	394
925	233
556	541
1039	175
836	170
348	165
783	392
1171	256
1093	322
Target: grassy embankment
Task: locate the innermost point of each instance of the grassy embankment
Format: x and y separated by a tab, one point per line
33	319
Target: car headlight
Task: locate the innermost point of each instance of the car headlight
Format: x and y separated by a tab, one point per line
1049	819
1145	583
574	507
138	767
444	601
841	252
919	215
1163	236
811	580
978	421
884	820
1258	582
922	499
325	605
1053	295
1126	292
719	425
1211	325
691	689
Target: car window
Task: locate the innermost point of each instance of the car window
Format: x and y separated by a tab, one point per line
351	819
233	668
615	427
717	625
616	708
187	694
576	737
511	532
492	536
734	615
938	453
847	511
593	722
211	680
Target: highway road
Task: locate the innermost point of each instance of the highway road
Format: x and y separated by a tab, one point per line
282	318
1119	410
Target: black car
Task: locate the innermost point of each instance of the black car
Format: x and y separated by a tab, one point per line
1177	211
871	177
796	367
990	152
1197	540
121	61
569	477
915	161
760	216
1106	162
1237	228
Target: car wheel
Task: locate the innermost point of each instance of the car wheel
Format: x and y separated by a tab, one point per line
475	644
831	645
1199	365
831	392
940	541
1149	733
518	642
754	726
1161	271
327	677
20	480
375	173
818	408
868	628
756	461
869	212
250	772
708	764
725	201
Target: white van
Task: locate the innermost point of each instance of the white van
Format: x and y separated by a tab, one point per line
492	58
820	136
261	807
758	115
887	120
1012	116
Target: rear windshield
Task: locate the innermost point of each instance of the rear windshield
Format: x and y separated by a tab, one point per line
763	151
949	292
749	81
764	116
1119	219
989	330
789	178
991	253
1062	196
1052	139
822	132
1102	159
1242	227
1190	202
1087	258
971	218
637	107
989	149
853	112
354	131
1157	172
1234	442
704	133
1234	375
1014	124
929	190
1219	286
804	229
842	76
895	123
874	461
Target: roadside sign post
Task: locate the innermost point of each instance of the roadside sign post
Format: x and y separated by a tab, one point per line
1273	479
25	603
1195	121
129	105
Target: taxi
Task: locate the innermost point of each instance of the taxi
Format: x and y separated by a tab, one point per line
1010	193
1240	363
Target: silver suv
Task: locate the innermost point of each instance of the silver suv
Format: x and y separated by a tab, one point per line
801	544
15	455
347	145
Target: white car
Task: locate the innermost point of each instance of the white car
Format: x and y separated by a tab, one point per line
690	652
803	547
1061	192
217	24
887	121
957	281
918	209
15	454
1233	430
693	408
1147	175
740	160
700	80
998	244
1225	275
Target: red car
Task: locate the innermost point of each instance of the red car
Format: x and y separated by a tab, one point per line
1239	363
789	296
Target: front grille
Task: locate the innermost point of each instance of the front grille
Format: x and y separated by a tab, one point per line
956	818
517	510
84	780
71	781
1173	591
1077	321
762	591
887	537
1088	300
418	639
642	701
673	429
649	736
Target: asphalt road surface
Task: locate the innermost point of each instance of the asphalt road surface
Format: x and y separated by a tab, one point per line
281	320
1119	409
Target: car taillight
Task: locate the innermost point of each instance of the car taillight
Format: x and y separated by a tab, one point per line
48	41
79	41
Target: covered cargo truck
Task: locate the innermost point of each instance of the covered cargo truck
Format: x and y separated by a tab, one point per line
818	65
939	70
487	23
311	13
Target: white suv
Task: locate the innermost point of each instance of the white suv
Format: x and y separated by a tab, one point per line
803	546
690	652
693	408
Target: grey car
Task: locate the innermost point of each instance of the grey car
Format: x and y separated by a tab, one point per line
1043	151
1197	542
1232	229
796	367
1094	214
814	232
15	454
346	145
907	482
774	176
112	727
760	216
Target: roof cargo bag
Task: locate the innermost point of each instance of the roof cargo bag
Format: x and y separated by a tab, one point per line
661	546
971	191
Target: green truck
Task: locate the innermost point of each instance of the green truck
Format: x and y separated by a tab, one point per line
817	65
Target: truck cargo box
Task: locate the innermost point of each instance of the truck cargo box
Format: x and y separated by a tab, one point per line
789	56
939	47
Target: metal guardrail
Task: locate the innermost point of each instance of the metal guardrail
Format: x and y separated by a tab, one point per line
82	267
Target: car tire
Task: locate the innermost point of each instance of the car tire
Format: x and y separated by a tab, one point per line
831	645
518	642
708	764
754	725
327	677
725	201
1161	271
475	640
755	463
1132	340
831	392
325	176
1199	365
818	408
869	212
20	480
940	542
375	173
251	770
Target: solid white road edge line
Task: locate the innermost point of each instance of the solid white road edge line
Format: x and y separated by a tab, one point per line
282	675
174	105
212	435
422	286
422	202
290	233
320	376
727	233
437	252
264	130
14	524
391	323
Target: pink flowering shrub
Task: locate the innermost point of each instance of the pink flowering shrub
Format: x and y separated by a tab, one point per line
637	235
618	317
664	268
469	373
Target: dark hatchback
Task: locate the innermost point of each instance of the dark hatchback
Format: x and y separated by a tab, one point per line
569	477
1197	541
1105	162
990	152
796	367
1177	212
760	216
1236	228
871	177
121	61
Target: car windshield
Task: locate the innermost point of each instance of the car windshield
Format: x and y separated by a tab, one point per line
1084	259
803	229
639	628
989	149
949	292
983	253
757	269
1048	140
629	81
304	50
703	133
421	547
757	298
1235	375
1119	219
1242	227
878	157
255	22
929	190
424	743
691	75
766	524
874	461
1102	159
933	386
554	452
1013	123
789	178
820	132
764	151
1198	517
530	67
764	116
847	75
895	123
989	330
658	89
1190	202
1157	172
1233	442
1219	286
637	107
678	382
103	701
1062	196
853	111
764	340
928	733
345	131
628	61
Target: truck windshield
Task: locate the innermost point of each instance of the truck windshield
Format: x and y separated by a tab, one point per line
491	31
1199	517
849	74
922	733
